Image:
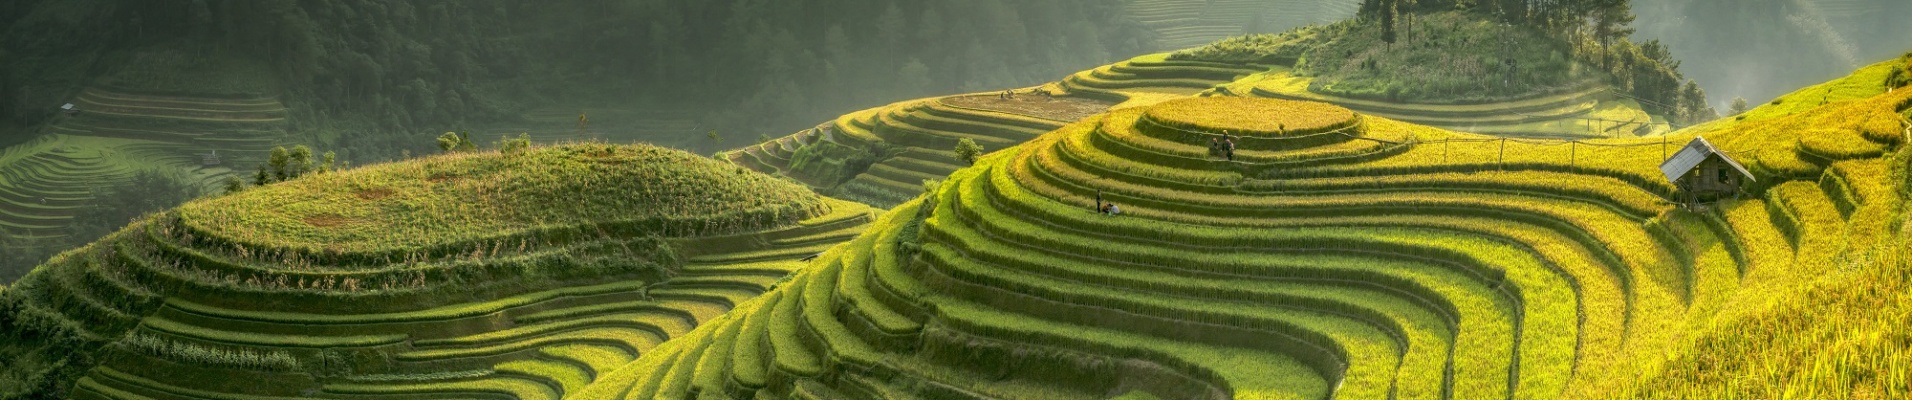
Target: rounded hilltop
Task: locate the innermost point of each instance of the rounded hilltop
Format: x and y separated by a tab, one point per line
1248	116
519	274
459	198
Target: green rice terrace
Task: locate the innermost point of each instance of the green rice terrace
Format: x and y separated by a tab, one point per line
881	155
118	132
1350	256
521	275
1346	246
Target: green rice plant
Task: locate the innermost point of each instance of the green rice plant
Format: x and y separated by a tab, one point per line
714	366
1133	231
791	355
749	366
1246	375
662	326
110	381
497	385
1395	317
434	314
212	356
633	339
240	338
568	378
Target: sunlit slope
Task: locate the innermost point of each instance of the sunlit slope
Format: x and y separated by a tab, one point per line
1340	255
522	275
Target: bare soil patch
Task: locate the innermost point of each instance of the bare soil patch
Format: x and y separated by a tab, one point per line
375	194
1065	109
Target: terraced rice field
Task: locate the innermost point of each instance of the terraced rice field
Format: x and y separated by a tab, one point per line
1586	110
915	139
243	128
1154	74
188	305
1190	23
1357	262
45	182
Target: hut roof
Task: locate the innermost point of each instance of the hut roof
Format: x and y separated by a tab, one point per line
1692	155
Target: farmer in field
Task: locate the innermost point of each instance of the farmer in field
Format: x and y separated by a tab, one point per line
1229	145
1214	147
1098	199
1113	210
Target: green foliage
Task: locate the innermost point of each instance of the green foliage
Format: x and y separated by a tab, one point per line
210	356
1739	106
456	142
281	163
830	163
508	145
147	192
1901	73
1261	48
967	150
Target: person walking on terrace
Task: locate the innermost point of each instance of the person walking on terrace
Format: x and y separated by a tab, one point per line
1214	147
1229	147
1098	200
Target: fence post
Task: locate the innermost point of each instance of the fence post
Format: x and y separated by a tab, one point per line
1501	160
1662	148
1573	153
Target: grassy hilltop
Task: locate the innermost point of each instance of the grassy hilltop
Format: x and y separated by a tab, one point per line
470	274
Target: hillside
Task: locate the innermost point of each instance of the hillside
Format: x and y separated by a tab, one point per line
1364	258
1351	246
524	274
880	156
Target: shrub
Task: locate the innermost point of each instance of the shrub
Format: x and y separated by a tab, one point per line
967	150
508	145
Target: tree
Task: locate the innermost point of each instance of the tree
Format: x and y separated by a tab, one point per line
299	162
967	150
234	184
889	27
456	141
261	178
1387	21
1610	23
280	161
1739	106
331	162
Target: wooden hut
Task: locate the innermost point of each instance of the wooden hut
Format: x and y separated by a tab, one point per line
1704	173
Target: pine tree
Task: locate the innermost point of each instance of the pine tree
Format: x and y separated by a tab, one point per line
1387	21
261	178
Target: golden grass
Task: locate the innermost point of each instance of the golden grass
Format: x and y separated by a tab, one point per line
1251	116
